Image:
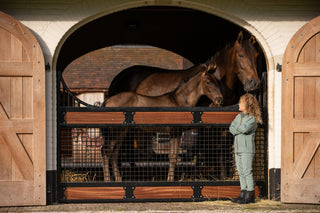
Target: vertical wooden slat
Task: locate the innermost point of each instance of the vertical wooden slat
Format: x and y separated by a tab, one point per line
310	50
16	97
317	106
5	162
301	57
39	134
317	98
297	144
317	164
5	94
27	98
25	57
318	48
5	47
310	170
298	96
308	98
16	46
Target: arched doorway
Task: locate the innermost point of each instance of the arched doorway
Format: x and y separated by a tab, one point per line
182	31
300	155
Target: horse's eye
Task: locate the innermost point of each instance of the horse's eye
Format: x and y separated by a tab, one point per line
241	55
208	82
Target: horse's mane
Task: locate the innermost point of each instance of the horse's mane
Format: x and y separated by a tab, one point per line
213	59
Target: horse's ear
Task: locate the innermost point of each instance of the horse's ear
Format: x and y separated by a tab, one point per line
211	69
252	39
240	37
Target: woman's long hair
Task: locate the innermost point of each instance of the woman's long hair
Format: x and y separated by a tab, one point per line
252	106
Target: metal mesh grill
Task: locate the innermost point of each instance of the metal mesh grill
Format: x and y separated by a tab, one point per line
195	153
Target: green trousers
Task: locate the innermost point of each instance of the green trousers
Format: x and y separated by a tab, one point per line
244	167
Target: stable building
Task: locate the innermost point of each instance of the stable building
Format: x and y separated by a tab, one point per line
58	59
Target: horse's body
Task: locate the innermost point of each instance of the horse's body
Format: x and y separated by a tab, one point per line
187	94
145	80
235	65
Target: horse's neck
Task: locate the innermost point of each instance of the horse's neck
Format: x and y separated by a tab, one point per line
225	67
189	93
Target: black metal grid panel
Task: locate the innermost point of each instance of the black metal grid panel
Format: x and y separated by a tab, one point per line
199	153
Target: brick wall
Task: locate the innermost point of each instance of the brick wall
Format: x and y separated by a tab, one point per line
95	71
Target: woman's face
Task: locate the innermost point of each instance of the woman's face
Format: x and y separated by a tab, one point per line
242	106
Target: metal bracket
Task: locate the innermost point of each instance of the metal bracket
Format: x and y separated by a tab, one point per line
129	192
279	67
196	117
128	118
197	192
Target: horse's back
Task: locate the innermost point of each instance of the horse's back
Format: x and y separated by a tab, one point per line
131	99
130	78
123	99
147	80
160	83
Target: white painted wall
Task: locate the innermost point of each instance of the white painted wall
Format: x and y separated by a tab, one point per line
91	97
272	22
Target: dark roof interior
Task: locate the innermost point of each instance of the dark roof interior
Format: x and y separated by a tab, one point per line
192	34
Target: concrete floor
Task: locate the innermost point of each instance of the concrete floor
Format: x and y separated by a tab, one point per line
176	207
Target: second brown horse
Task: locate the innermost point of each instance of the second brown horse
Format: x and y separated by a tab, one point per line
235	63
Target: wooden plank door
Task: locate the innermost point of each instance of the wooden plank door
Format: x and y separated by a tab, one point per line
300	154
22	116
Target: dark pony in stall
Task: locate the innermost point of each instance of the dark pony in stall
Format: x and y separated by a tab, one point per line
187	94
235	65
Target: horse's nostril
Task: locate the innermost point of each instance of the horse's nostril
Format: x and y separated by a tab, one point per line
219	100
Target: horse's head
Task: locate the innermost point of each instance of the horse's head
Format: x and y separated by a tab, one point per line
239	61
210	87
245	63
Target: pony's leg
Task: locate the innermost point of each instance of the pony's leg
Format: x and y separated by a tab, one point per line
115	154
105	152
115	157
172	158
223	172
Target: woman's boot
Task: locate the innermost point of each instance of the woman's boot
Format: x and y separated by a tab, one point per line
241	197
248	198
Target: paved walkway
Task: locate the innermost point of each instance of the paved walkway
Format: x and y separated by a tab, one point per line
172	207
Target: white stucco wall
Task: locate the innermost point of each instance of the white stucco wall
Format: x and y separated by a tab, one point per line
272	22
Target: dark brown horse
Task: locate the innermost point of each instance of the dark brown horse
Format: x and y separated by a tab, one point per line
235	64
187	93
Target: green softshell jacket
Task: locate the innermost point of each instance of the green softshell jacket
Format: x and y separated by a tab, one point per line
243	127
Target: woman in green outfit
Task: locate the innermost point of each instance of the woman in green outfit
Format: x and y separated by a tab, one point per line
243	128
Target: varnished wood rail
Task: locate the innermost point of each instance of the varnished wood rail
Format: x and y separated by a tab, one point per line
148	117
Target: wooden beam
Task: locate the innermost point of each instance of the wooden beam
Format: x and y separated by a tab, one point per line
163	192
218	117
16	69
225	191
88	193
94	117
163	118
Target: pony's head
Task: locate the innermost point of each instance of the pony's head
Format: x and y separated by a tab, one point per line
210	86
